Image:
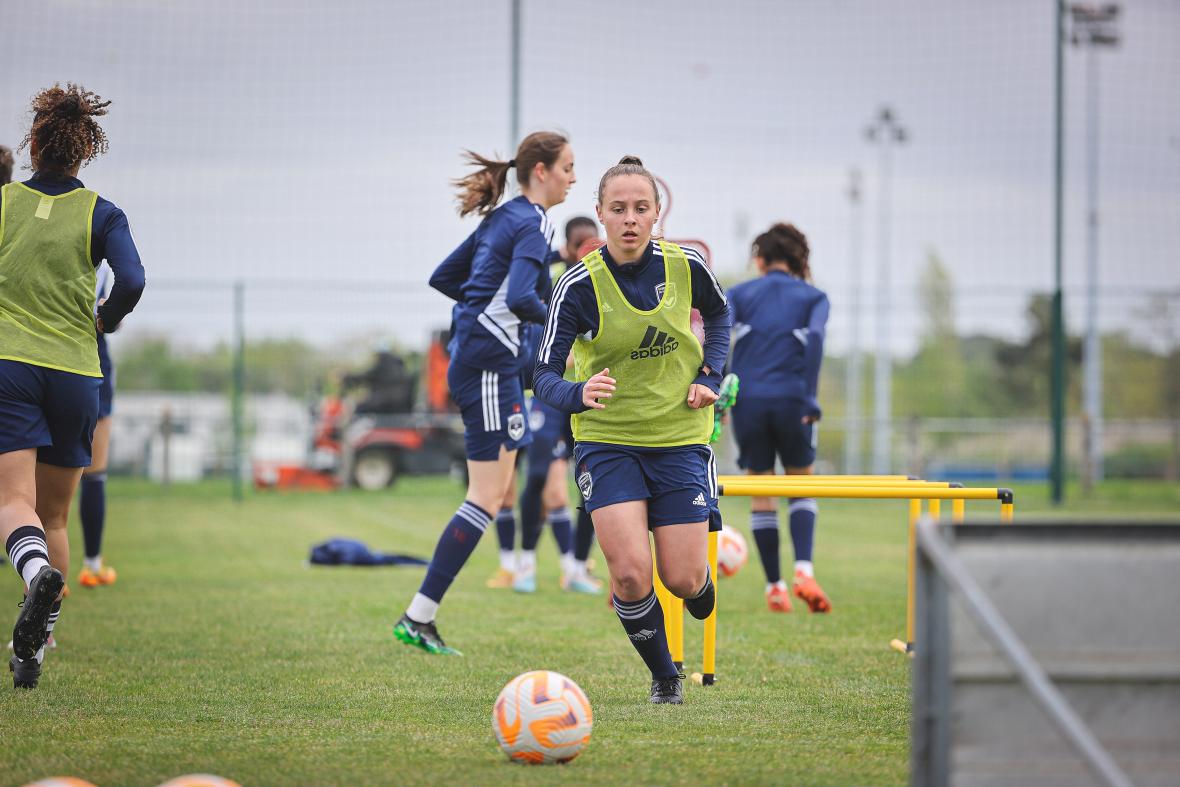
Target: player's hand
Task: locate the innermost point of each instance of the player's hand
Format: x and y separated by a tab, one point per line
600	386
808	420
98	324
700	396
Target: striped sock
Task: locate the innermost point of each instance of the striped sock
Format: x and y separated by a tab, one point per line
764	526
28	552
54	614
559	520
643	621
455	546
803	514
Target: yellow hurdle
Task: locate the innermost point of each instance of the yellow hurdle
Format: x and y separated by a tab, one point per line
673	607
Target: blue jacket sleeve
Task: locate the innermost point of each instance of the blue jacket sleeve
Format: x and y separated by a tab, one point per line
568	317
813	352
450	276
115	244
522	297
710	300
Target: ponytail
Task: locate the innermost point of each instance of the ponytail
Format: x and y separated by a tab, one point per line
480	191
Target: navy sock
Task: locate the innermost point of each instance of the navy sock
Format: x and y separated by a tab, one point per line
455	545
506	529
530	512
764	526
583	535
803	512
92	508
643	621
559	520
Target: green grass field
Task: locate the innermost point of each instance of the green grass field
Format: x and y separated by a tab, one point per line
220	651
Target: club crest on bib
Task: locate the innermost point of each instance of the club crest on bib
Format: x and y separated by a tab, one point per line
536	420
586	484
516	426
671	289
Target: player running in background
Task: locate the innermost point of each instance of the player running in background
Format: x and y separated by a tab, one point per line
6	165
779	323
55	233
493	276
92	501
546	487
643	413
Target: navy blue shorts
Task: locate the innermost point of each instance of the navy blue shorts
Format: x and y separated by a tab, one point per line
679	484
492	405
106	389
551	437
765	428
50	410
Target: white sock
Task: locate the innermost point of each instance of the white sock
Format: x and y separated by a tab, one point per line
508	560
569	566
780	585
422	609
804	567
93	563
527	564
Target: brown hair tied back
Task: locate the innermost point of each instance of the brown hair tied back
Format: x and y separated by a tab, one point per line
65	129
628	165
479	191
784	243
6	164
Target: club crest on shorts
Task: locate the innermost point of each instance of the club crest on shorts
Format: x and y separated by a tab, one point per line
516	426
536	419
586	484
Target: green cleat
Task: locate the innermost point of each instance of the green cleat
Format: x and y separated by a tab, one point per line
422	635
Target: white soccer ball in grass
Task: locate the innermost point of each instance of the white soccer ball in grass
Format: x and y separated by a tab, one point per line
731	551
200	780
542	717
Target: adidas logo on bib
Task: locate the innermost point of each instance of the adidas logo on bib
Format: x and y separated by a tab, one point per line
655	344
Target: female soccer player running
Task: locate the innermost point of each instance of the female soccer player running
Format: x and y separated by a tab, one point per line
643	413
779	322
92	501
55	233
493	277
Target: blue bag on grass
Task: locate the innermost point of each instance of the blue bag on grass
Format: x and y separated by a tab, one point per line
349	552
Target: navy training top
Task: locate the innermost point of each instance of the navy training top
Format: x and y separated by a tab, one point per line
574	312
494	278
779	324
110	239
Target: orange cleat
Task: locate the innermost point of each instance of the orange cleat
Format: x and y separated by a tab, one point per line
808	589
778	599
502	579
92	579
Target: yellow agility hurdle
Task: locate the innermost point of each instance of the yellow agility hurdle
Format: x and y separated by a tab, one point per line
832	487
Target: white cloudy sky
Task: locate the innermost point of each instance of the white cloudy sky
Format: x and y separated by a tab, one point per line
306	147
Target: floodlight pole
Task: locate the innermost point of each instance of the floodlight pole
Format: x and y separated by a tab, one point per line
1093	27
514	89
853	427
1057	370
887	131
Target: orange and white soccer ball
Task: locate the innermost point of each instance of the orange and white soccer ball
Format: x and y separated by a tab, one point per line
731	551
60	781
200	780
542	717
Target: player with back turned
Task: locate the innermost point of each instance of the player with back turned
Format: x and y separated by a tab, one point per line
779	324
53	234
642	408
493	277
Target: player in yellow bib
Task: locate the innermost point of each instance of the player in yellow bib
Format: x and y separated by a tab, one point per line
642	404
54	232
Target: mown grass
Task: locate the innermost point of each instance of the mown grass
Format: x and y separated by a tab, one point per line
220	651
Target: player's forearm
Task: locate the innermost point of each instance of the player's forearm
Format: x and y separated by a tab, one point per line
558	393
716	349
130	279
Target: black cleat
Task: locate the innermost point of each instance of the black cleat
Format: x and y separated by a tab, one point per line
668	691
25	674
28	635
701	606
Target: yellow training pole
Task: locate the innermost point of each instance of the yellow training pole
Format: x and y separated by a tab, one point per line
664	596
708	662
863	492
935	508
1006	512
958	511
675	616
915	515
846	479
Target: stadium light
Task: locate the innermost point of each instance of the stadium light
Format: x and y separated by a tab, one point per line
886	132
1093	29
854	423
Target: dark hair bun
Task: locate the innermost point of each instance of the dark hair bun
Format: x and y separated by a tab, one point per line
70	107
631	160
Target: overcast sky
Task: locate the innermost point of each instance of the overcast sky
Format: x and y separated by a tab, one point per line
310	144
